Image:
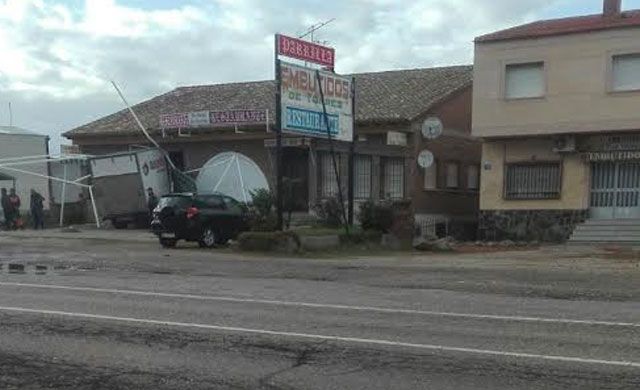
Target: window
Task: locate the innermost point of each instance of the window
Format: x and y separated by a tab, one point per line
214	202
473	177
524	81
393	178
626	72
328	179
362	177
431	177
452	175
532	181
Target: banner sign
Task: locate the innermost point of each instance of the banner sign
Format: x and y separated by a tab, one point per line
213	119
224	118
301	105
305	51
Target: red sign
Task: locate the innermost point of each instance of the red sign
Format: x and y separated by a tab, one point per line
223	118
306	51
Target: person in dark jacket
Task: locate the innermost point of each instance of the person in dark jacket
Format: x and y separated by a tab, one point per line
14	201
37	210
6	208
152	200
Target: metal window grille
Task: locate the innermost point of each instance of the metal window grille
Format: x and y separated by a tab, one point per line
328	180
394	178
453	174
473	177
362	173
533	181
431	177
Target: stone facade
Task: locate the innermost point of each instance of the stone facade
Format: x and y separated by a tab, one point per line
529	225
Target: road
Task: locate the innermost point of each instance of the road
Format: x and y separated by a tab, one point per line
107	315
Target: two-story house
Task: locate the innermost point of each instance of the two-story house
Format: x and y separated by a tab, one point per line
557	104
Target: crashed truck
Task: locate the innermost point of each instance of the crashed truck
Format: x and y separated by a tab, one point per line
120	182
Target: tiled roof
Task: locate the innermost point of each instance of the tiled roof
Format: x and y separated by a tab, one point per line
380	97
573	25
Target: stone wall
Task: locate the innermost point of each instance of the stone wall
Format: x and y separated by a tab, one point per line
529	225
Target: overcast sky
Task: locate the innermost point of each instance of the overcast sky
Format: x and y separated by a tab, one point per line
56	56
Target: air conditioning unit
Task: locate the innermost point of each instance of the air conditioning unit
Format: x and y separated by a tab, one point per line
564	144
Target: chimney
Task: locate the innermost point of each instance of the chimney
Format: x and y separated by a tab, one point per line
612	8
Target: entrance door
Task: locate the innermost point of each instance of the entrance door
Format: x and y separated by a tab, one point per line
615	190
296	179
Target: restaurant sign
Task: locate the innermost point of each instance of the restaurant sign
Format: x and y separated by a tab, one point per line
301	104
225	118
612	156
305	51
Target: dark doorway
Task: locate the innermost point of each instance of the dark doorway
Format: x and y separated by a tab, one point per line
296	179
178	159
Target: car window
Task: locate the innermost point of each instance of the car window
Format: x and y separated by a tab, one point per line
214	202
174	201
231	203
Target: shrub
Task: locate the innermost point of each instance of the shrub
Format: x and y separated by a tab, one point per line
262	216
330	212
376	216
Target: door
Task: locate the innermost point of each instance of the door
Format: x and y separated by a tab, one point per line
295	172
615	190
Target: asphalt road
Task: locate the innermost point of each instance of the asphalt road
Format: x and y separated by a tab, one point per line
108	315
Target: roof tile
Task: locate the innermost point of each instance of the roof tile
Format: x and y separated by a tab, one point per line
572	25
380	97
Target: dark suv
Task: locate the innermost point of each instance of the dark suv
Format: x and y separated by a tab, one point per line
208	219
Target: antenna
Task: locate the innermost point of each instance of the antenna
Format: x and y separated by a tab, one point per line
311	30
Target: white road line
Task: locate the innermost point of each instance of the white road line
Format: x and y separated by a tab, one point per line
329	306
352	340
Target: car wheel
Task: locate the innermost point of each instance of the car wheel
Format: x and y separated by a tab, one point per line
168	242
209	238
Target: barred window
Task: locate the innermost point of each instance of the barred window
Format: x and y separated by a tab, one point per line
328	180
431	177
362	167
533	181
473	177
393	178
453	175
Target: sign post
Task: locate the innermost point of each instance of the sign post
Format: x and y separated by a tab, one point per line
314	103
279	186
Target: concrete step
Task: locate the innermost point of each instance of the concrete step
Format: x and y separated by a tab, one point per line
607	231
615	230
612	222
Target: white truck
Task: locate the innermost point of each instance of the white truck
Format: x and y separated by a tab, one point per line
121	181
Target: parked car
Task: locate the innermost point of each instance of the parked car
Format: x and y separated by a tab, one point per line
210	220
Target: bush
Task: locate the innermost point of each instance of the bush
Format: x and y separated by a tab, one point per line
330	212
376	216
288	242
262	216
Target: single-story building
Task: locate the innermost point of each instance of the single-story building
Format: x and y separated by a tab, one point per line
391	108
16	142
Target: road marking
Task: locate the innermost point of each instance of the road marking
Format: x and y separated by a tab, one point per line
353	340
329	306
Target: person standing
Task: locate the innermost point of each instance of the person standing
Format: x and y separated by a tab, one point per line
14	201
6	208
37	210
152	200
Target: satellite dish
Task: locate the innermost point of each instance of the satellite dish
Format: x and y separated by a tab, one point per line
425	159
432	128
232	174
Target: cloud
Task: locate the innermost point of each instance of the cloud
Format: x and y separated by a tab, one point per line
58	58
